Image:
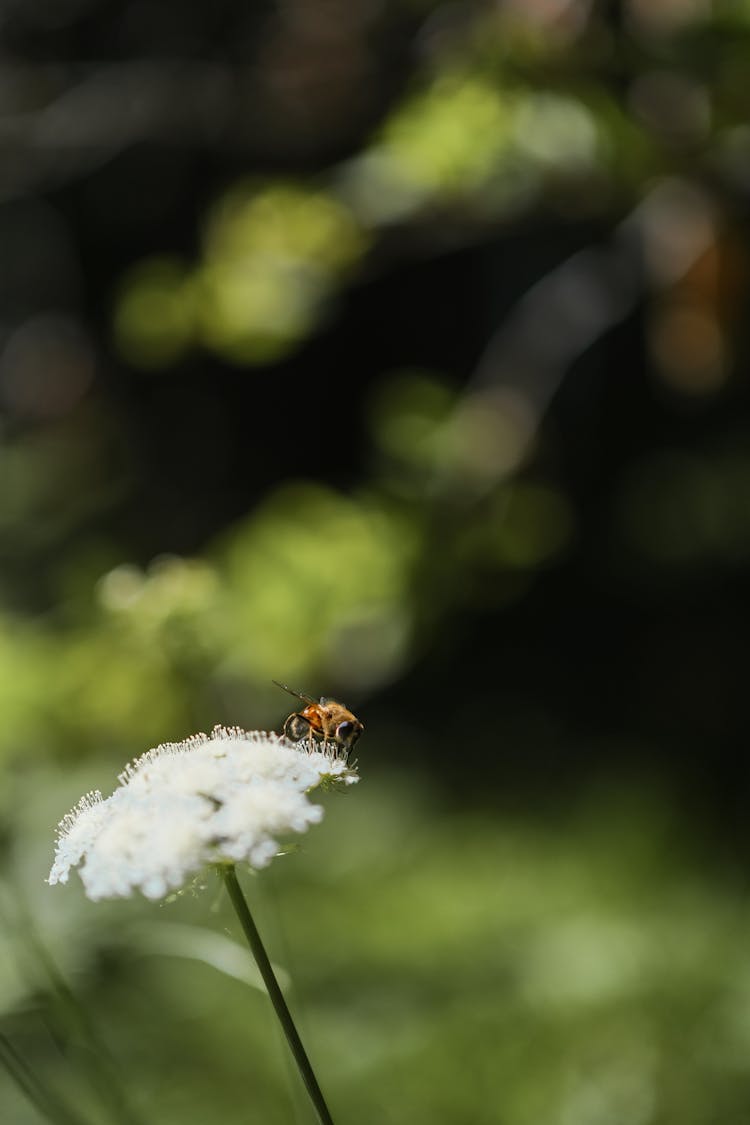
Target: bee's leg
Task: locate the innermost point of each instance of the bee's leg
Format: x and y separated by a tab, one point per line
296	728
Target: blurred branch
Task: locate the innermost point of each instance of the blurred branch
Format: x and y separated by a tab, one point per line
487	438
85	123
577	303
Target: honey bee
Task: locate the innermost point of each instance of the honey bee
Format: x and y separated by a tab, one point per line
323	720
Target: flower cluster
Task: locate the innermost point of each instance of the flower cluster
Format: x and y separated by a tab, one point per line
221	798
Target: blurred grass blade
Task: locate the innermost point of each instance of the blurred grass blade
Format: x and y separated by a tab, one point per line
45	1100
222	954
70	1014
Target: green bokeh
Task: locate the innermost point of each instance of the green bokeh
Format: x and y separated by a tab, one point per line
447	967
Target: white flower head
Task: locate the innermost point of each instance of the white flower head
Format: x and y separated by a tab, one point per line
227	797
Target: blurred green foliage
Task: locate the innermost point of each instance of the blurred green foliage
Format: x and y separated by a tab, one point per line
447	967
272	256
313	584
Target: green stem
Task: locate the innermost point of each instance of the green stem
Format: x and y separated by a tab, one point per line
239	903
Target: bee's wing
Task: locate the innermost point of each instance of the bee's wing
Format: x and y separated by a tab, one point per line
298	694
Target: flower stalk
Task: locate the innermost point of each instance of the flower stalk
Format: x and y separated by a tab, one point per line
229	875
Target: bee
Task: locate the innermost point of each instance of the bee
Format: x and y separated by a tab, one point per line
323	720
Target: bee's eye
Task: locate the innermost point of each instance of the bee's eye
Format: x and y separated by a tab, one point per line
346	732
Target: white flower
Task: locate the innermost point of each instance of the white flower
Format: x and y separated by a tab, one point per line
222	798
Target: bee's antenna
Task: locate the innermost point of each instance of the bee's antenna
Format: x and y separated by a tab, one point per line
298	694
